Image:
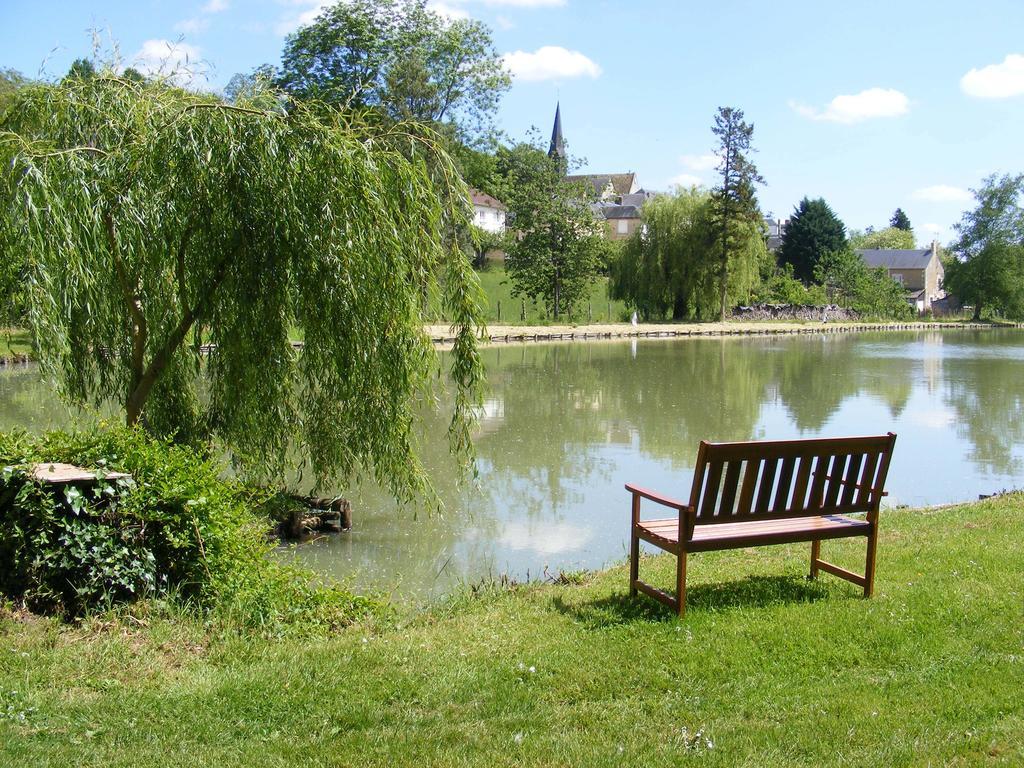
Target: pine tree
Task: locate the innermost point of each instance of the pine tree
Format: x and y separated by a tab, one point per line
813	230
734	202
900	220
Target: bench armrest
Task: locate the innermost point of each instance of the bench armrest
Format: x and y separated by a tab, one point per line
656	497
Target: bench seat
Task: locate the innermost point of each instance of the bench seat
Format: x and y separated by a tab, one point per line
752	533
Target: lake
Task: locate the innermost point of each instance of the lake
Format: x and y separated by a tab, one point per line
563	427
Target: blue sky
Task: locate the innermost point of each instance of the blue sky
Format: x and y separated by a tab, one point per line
869	104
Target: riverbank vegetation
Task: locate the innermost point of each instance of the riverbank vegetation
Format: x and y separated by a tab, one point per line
767	669
173	531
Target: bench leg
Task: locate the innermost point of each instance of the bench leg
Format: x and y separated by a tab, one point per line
869	568
681	583
634	562
815	554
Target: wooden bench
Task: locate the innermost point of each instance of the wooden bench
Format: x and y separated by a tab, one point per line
771	492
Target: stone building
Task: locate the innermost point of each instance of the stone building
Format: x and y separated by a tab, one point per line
919	271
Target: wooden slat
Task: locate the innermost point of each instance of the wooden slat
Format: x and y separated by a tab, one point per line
785	481
765	491
714	478
781	531
749	484
802	476
732	479
850	480
817	496
867	477
744	451
835	481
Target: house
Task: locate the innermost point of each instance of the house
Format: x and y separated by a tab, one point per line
920	272
617	197
488	212
621	213
775	228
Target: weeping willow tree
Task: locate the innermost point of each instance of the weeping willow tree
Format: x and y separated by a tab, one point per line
158	221
671	266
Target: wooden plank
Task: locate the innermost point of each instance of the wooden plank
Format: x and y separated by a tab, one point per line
785	481
757	527
61	474
771	465
743	451
732	479
867	477
835	481
746	536
850	479
749	484
803	474
714	478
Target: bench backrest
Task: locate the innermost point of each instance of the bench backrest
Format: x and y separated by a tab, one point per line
736	482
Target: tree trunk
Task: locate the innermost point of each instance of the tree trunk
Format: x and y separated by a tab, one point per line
680	308
977	311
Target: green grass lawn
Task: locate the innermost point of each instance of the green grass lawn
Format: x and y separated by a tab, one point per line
502	308
769	668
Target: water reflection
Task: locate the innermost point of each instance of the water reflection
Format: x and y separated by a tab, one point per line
564	425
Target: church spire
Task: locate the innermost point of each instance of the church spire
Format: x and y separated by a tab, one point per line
557	148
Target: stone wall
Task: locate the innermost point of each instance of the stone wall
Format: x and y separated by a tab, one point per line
795	312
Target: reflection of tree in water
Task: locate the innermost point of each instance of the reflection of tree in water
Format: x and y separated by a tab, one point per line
553	413
27	402
815	375
675	394
987	394
561	400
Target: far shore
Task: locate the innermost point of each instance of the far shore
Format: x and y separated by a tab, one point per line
512	334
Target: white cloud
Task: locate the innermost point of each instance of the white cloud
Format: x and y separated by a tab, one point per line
447	11
177	61
942	193
504	22
855	108
289	24
686	180
996	81
550	62
700	163
216	6
192	26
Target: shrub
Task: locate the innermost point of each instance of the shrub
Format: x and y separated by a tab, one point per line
176	528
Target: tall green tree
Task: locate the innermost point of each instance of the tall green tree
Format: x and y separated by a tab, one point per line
82	68
890	237
988	265
557	249
159	220
812	231
400	57
900	220
738	218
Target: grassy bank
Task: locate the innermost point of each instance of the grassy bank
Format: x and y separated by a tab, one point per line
768	668
502	307
15	344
